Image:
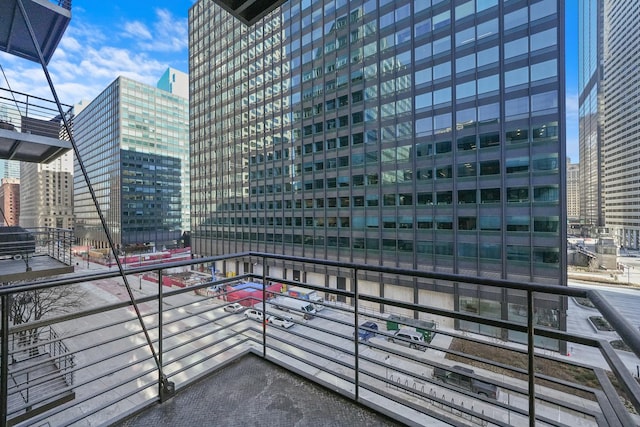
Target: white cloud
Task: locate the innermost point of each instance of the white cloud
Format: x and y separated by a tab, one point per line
170	34
90	57
137	30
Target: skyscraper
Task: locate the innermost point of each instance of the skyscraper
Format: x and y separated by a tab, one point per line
175	82
9	169
590	74
46	193
573	194
133	140
619	61
418	134
10	201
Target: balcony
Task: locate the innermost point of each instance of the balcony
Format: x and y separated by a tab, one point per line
31	128
433	357
30	254
49	21
249	11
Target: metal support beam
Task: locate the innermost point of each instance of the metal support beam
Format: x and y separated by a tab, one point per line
264	307
531	359
4	353
356	335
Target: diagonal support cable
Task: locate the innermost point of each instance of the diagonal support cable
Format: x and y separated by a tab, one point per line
167	386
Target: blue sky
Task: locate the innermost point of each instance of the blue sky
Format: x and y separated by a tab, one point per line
141	38
105	39
571	66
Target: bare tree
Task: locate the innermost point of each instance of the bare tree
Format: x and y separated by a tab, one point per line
34	305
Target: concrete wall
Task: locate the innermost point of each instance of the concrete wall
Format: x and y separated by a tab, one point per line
438	300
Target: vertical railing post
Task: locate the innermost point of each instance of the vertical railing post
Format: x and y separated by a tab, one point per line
4	356
160	315
531	359
356	334
264	307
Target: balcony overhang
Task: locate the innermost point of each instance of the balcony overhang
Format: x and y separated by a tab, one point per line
31	128
26	147
39	267
249	11
49	21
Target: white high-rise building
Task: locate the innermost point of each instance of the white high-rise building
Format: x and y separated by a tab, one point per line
621	95
46	193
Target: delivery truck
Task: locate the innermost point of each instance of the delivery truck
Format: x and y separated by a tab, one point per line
302	308
306	294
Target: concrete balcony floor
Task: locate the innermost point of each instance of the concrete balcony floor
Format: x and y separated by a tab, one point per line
254	392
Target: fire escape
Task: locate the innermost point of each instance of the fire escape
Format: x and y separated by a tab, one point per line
33	130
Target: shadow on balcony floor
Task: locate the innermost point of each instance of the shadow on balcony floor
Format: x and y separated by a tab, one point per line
254	392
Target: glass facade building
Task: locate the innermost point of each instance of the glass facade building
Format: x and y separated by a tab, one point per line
620	150
424	134
592	206
133	140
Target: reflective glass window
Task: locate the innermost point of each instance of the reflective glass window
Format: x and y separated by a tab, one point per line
490	195
516	77
516	47
544	39
547	101
544	70
422	28
488	56
486	29
442	45
466	63
518	223
465	90
442	70
466	196
516	18
488	84
517	194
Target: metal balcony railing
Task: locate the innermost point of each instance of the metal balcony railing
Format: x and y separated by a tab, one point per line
21	243
31	114
452	361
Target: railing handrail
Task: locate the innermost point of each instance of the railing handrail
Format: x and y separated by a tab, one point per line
473	280
28	96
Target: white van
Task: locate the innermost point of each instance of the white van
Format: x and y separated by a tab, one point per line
409	338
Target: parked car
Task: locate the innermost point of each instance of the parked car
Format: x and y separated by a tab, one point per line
365	334
281	321
254	314
235	307
458	376
410	338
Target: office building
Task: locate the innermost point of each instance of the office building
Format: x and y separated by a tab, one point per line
174	81
9	169
415	134
590	75
10	201
573	195
46	193
133	141
619	61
